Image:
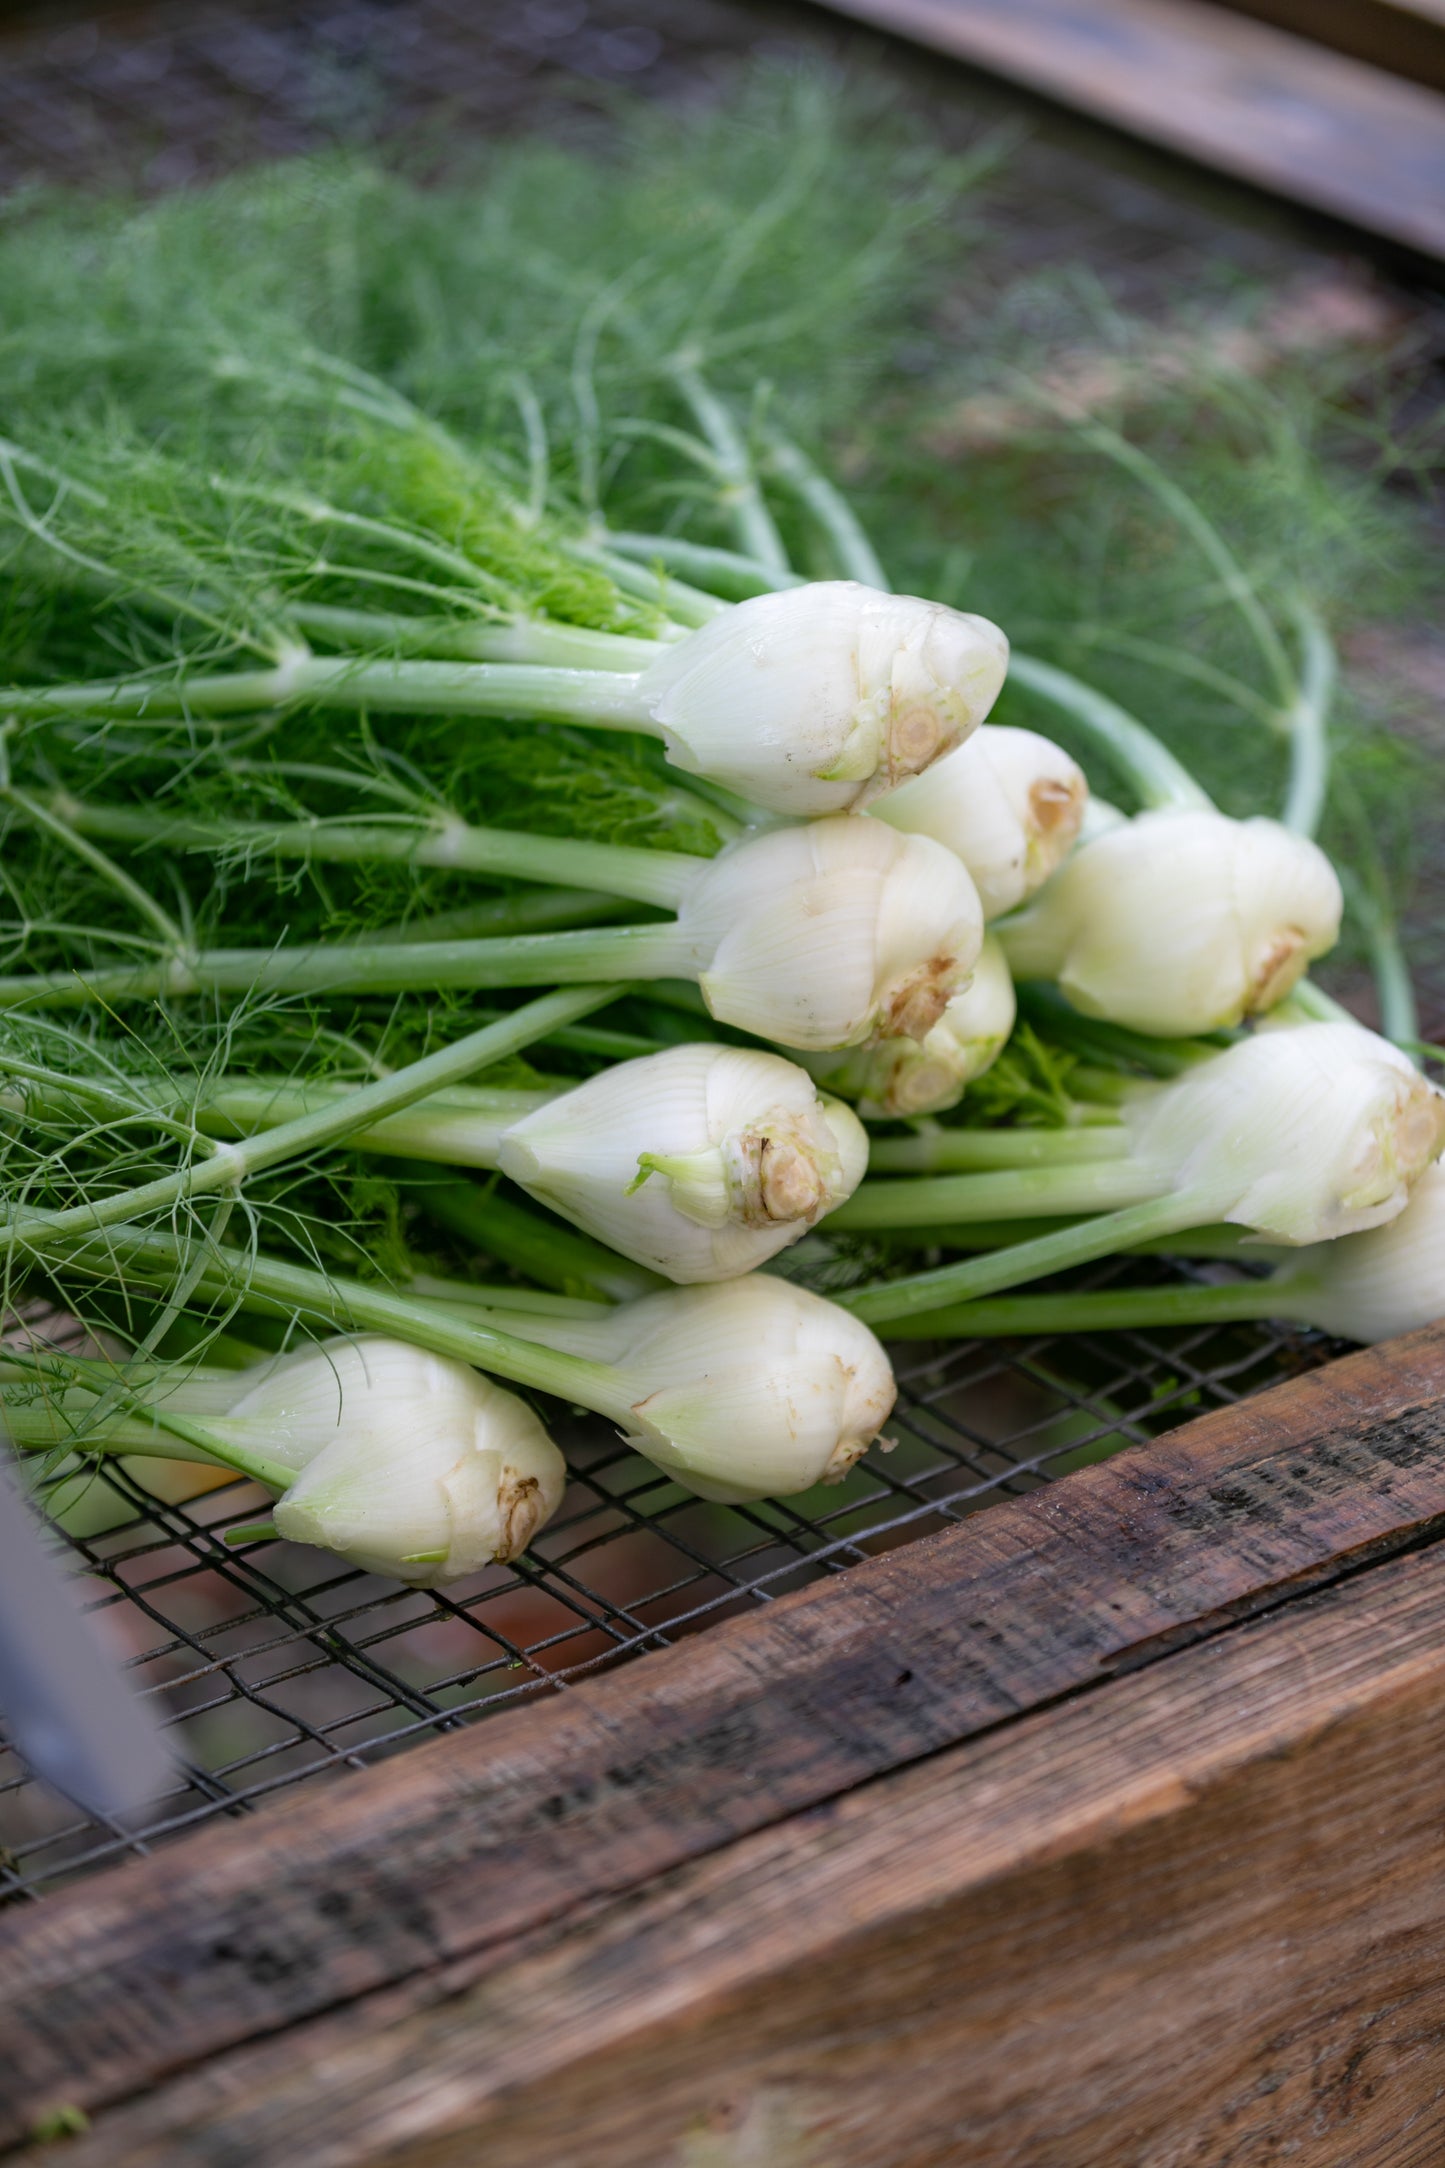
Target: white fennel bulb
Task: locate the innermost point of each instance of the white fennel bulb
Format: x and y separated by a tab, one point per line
701	1162
407	1464
895	1079
1301	1133
1179	922
749	1389
819	699
1008	802
1389	1280
826	934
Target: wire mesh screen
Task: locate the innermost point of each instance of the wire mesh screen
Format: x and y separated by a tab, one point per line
278	1665
275	1665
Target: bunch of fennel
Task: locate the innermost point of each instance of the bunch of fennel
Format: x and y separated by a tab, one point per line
697	1161
356	656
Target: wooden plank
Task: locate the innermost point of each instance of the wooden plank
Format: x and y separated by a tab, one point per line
1238	95
1195	1918
456	1847
1405	36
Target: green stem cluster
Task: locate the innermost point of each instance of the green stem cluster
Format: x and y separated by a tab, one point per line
228	1167
297	1293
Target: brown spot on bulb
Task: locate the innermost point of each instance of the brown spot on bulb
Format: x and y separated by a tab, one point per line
1055	805
916	1004
1278	966
916	737
522	1511
845	1454
1418	1130
790	1184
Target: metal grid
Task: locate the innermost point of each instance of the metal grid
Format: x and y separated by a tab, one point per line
275	1665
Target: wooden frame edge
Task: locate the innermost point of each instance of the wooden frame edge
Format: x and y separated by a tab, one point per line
1172	1918
1258	104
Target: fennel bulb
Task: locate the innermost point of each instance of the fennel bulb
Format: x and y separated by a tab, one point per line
1180	921
1301	1133
814	700
407	1464
1388	1280
702	1161
744	1389
752	1388
819	699
814	936
1370	1286
828	934
895	1079
1008	802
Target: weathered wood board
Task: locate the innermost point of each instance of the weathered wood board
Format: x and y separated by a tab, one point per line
1244	97
340	1918
1194	1917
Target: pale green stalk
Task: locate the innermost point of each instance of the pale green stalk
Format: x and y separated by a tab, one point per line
439	1127
536	910
1153	772
830	512
382	967
145	1427
1004	1193
723	572
742	499
1306	719
479	1295
1115	1309
1222	1241
600	699
936	1151
886	1301
523	639
539	459
1399	1013
661	878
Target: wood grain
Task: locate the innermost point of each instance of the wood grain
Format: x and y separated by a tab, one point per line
1276	110
1195	1919
457	1847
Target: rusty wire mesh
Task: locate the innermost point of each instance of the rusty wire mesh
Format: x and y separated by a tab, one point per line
275	1664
